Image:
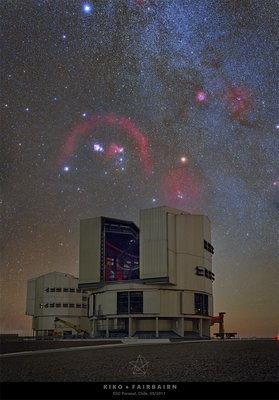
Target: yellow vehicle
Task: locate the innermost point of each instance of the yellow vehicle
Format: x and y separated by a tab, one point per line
81	333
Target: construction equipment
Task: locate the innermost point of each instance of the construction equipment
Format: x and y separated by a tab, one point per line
81	333
220	320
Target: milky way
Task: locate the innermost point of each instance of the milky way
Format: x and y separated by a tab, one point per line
109	107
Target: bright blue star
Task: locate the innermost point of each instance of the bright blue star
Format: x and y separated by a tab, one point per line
87	8
66	168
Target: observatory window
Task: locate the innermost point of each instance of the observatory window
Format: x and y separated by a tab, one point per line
120	252
201	304
136	302
129	302
122	303
200	271
208	246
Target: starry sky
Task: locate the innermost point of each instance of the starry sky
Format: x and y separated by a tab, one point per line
111	106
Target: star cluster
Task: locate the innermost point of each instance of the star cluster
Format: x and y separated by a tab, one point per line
111	106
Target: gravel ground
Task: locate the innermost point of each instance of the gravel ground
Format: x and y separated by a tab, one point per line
212	361
30	345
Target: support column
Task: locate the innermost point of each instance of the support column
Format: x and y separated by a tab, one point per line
93	327
130	327
181	327
107	327
200	327
157	327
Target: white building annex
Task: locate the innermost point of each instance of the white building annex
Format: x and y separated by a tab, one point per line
56	295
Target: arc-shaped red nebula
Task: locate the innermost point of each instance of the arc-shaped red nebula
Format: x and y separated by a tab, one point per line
126	126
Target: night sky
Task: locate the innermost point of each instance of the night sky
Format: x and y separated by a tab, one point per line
111	106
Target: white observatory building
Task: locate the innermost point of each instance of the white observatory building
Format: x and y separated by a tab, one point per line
152	281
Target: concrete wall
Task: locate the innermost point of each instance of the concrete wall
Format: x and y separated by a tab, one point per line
90	251
153	244
106	303
170	303
187	303
172	246
151	302
157	243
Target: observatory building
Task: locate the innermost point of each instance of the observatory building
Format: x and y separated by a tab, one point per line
152	281
57	305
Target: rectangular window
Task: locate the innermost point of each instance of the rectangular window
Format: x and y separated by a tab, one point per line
78	290
84	306
200	271
72	290
84	298
208	247
122	303
201	304
205	304
65	289
129	302
65	305
58	305
119	251
78	305
51	305
52	289
71	305
136	302
58	289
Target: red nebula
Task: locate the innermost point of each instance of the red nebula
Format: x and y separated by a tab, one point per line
114	149
201	96
180	187
239	100
125	125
